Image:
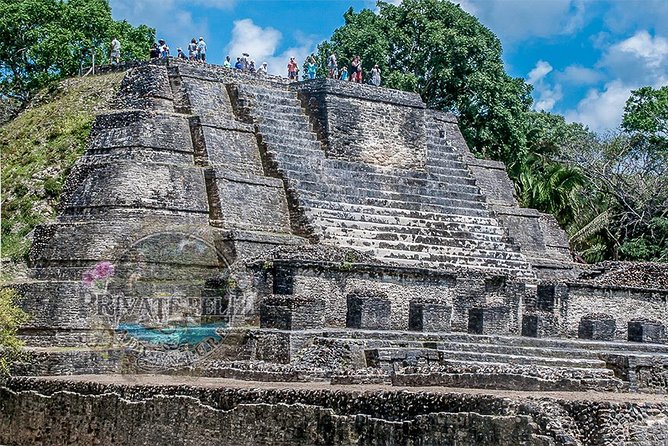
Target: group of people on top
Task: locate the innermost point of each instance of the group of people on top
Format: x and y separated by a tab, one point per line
196	50
355	74
245	63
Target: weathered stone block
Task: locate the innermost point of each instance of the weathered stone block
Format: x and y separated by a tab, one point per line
538	325
600	327
429	317
646	331
292	313
371	312
489	320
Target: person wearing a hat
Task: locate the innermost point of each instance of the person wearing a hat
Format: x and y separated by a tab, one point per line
164	49
263	69
201	49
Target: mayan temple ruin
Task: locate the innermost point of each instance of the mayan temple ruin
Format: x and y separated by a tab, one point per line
242	260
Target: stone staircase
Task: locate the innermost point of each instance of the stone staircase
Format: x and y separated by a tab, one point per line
502	362
434	217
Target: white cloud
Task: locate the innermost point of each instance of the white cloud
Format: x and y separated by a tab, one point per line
640	59
262	43
249	38
541	69
171	18
546	96
602	110
517	19
579	75
628	15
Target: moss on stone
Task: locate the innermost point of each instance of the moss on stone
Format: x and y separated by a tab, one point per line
39	147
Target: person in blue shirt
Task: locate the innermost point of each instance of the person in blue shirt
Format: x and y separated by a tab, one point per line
311	68
344	74
239	65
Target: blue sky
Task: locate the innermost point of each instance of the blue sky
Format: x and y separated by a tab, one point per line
582	56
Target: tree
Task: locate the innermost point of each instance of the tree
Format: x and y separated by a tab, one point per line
45	40
434	48
11	317
646	116
626	197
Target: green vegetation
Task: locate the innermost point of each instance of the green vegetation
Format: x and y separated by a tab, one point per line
42	41
39	147
434	48
11	317
609	192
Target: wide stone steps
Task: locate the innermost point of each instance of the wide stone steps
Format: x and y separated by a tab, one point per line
418	252
496	358
281	129
315	170
299	161
267	95
373	213
322	181
295	156
291	119
415	338
391	204
406	224
465	244
515	268
545	352
394	199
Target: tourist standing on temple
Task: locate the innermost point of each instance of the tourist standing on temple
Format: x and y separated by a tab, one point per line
356	69
154	52
227	63
332	66
192	49
245	61
344	74
251	66
311	68
238	65
201	50
263	69
115	54
164	49
375	75
292	69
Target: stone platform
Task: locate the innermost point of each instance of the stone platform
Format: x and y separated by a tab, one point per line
203	411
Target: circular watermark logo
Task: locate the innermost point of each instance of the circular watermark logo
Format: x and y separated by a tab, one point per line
164	305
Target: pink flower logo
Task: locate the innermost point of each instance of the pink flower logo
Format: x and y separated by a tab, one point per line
101	271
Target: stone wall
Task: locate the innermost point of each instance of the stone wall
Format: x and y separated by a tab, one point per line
364	123
49	412
620	303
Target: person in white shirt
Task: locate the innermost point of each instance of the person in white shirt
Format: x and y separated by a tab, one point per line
201	49
115	56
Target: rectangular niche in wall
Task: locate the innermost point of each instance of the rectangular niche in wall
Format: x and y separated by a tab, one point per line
370	312
283	281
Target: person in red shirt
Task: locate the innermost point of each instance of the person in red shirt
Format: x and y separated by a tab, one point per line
292	69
